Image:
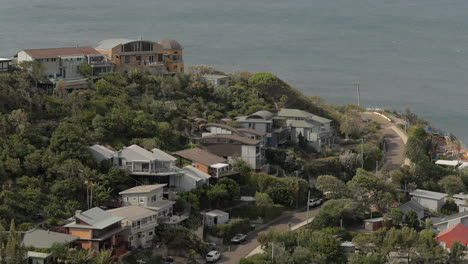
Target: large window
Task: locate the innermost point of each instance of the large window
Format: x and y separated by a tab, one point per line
137	46
127	59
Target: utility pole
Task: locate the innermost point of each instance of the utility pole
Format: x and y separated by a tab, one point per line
362	153
297	189
358	94
308	205
272	253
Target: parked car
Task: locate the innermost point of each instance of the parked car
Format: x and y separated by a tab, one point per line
213	256
315	202
169	260
238	238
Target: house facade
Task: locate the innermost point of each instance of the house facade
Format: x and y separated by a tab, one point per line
448	236
142	223
214	165
216	217
189	178
62	63
441	223
98	230
155	57
5	64
150	197
216	80
261	121
428	199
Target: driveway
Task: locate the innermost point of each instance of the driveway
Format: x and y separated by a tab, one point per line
395	139
236	252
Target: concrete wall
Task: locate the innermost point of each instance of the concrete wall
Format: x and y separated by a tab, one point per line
431	204
249	155
142	199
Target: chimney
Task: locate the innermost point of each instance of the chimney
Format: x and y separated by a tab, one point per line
77	212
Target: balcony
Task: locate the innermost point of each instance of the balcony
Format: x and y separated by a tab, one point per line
103	63
172	220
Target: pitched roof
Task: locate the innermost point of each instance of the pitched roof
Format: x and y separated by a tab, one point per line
143	189
228	127
244	140
440	220
201	156
45	239
300	123
132	212
58	52
170	44
215	76
458	232
135	152
195	173
320	119
428	194
285	112
96	218
101	153
267	115
414	206
161	155
111	43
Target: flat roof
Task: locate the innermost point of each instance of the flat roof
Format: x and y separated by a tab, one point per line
201	156
215	76
132	212
428	194
453	163
143	189
216	212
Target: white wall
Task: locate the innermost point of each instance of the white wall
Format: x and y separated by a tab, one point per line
249	155
431	204
142	199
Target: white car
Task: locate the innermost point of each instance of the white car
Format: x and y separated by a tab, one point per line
238	238
315	202
213	256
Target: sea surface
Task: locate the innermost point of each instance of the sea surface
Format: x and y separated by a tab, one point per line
403	53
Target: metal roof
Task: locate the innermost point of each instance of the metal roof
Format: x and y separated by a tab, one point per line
111	43
428	194
240	139
296	113
196	173
453	163
440	220
300	123
101	153
169	44
45	239
143	189
96	218
267	115
200	155
163	156
135	152
216	212
132	212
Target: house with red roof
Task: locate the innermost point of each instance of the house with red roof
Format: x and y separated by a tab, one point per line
458	232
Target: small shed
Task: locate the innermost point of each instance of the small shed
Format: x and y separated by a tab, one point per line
217	80
216	217
39	257
348	247
375	224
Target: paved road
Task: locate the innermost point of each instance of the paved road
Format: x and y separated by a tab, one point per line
237	252
394	157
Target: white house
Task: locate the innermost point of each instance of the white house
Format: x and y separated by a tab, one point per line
428	199
441	223
461	200
62	63
216	217
261	121
217	80
189	178
148	196
142	223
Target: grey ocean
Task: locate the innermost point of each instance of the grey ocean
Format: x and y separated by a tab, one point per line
404	53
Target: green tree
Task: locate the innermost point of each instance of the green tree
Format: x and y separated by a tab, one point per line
263	199
85	69
332	187
103	257
452	184
456	254
397	216
15	252
411	219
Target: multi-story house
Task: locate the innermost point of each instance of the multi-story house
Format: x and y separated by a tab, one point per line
229	142
173	57
150	197
141	221
98	230
316	130
154	57
209	163
63	63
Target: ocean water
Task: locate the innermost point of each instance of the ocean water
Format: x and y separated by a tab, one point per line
403	53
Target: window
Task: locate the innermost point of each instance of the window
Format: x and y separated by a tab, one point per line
47	60
160	57
53	59
151	59
142	200
126	198
150	233
139	235
78	59
127	59
142	235
138	58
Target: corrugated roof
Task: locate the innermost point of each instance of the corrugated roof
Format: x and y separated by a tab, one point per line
45	239
169	44
458	232
195	173
132	212
143	188
285	112
111	43
413	205
216	212
161	155
241	139
267	115
96	218
300	123
440	220
58	52
201	156
428	194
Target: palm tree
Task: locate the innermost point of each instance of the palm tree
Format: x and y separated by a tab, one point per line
103	257
82	256
60	252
